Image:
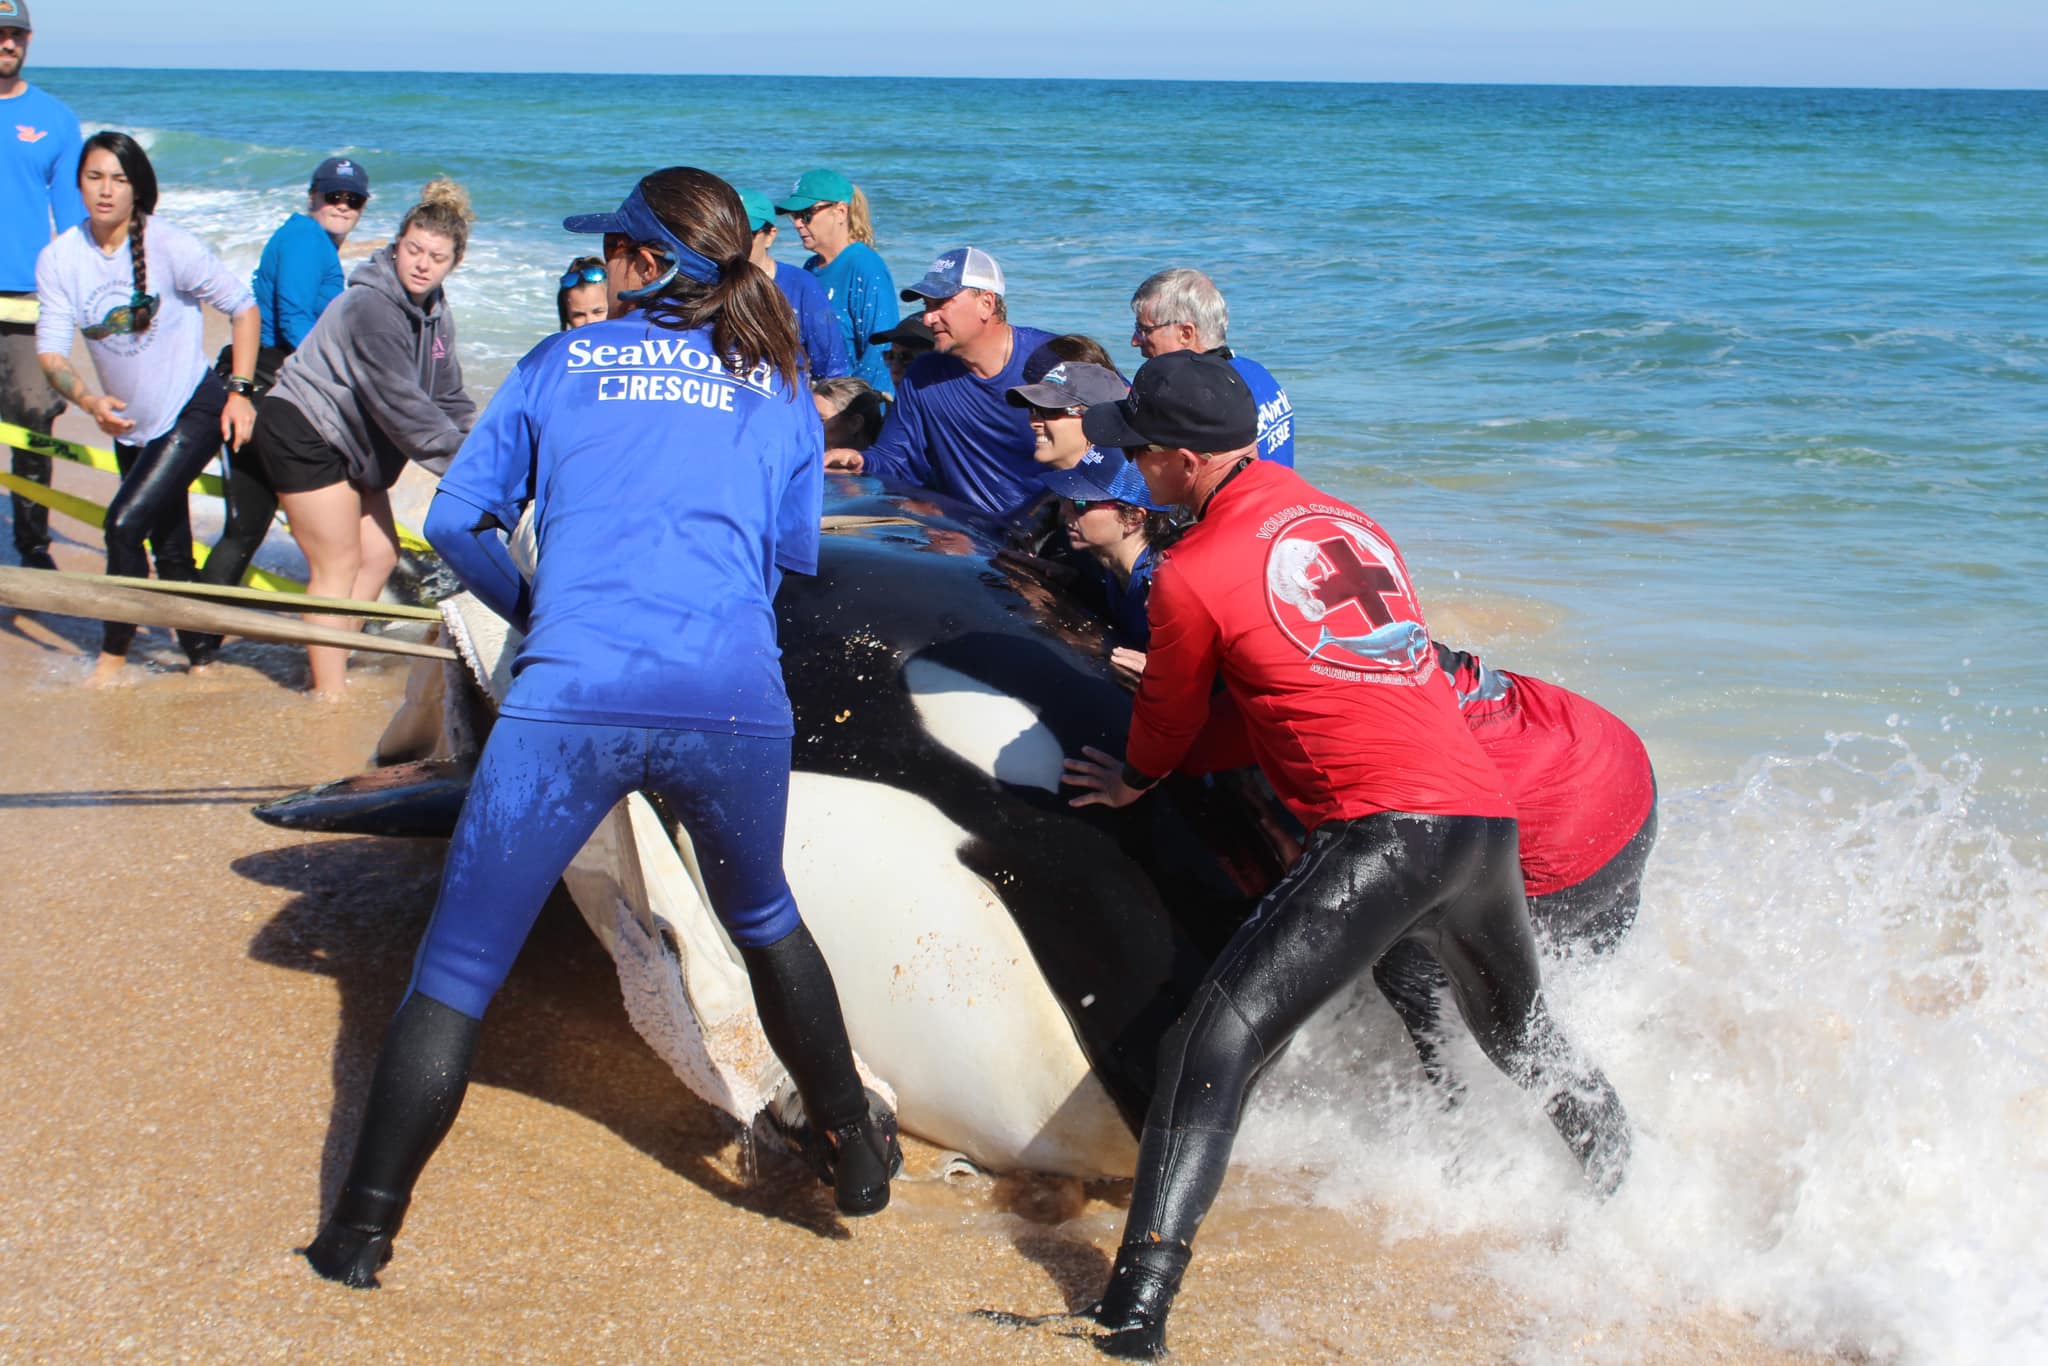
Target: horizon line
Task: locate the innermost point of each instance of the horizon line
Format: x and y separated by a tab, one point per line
1074	80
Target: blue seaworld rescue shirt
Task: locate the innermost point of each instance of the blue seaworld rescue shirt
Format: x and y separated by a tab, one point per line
1128	624
863	293
952	431
298	276
39	142
669	496
1276	414
817	326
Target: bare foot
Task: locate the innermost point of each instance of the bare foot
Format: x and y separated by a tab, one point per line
109	672
328	694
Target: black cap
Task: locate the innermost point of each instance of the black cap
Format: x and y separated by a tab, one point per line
1184	399
911	332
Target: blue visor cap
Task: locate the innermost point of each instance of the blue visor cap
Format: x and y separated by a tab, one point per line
1103	476
640	223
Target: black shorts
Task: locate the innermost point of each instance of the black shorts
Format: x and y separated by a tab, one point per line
295	455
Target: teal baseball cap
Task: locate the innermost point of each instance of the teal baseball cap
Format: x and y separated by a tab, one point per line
760	213
816	187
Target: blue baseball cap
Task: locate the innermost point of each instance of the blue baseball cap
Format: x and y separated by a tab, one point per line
760	213
341	173
1102	476
955	270
816	187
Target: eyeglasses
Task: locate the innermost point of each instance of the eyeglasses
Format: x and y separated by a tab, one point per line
804	216
589	275
346	199
1147	329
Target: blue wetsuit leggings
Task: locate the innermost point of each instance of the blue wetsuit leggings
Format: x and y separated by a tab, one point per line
540	790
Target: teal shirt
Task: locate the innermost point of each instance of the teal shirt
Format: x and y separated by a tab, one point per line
299	275
863	294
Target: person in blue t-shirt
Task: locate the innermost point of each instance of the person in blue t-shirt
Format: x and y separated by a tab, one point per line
952	428
1182	310
818	327
671	460
38	199
831	217
298	275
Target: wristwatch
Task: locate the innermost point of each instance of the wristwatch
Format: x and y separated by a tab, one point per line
241	384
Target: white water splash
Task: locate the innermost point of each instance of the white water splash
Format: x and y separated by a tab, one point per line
1828	1026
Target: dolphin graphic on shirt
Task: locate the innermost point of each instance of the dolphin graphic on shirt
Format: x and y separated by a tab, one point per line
28	134
1400	644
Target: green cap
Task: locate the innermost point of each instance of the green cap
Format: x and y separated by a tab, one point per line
816	187
760	213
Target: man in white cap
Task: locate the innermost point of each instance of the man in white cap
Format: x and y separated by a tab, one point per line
38	198
953	429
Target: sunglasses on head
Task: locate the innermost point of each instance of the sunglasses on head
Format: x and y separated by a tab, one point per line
346	199
804	216
589	275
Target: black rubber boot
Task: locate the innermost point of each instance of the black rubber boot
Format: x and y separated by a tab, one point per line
1596	1128
355	1242
863	1156
1132	1312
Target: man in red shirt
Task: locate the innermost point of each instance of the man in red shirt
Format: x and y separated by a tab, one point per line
1306	609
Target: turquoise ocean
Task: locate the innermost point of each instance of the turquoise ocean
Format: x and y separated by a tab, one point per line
1726	407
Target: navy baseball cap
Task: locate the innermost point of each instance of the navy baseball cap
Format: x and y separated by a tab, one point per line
955	270
1187	400
339	173
1070	384
1102	476
911	332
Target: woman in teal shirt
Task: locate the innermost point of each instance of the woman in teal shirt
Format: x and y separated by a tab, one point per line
831	217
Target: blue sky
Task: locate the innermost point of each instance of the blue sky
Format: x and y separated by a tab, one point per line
1999	43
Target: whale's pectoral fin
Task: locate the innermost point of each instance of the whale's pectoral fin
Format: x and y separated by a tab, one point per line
417	801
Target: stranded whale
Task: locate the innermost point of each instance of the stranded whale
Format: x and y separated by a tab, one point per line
1007	964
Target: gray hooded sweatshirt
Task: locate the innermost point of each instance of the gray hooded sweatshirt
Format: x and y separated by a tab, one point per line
378	379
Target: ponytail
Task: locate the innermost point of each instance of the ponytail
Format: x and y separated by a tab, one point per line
751	323
138	259
858	225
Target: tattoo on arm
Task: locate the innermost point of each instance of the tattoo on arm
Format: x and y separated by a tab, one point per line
58	371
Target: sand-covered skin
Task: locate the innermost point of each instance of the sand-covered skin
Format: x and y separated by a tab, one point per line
190	1004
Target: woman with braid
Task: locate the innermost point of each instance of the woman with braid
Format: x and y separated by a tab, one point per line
134	287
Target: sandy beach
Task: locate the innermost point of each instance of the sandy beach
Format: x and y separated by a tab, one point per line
192	1005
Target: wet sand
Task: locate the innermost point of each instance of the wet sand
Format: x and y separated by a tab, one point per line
190	1004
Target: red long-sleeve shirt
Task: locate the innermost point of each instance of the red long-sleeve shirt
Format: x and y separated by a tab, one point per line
1580	777
1305	605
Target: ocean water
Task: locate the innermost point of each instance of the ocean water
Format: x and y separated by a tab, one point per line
1726	407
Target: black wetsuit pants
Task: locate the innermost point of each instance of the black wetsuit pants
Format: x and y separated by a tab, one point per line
1590	916
1451	884
153	504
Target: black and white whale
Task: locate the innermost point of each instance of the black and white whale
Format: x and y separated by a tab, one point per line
1007	964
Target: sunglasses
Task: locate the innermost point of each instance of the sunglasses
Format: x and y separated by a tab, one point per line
1055	414
346	199
804	216
1081	505
589	275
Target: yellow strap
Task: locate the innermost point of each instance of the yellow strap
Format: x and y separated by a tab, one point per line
92	514
93	457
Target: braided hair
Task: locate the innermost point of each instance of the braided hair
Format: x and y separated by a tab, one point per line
134	163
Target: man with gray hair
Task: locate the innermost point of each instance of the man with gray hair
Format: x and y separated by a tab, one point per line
1182	310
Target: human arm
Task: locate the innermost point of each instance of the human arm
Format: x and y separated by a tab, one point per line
67	204
238	415
56	330
1174	692
489	480
803	498
384	373
468	539
450	394
899	452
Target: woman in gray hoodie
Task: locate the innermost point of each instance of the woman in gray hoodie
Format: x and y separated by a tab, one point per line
373	385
